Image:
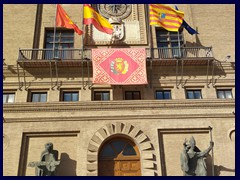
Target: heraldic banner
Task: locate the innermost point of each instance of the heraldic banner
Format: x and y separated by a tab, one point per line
119	66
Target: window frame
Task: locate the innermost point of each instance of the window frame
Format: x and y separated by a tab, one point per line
7	97
224	93
170	39
163	92
193	90
71	92
59	52
134	91
101	91
39	97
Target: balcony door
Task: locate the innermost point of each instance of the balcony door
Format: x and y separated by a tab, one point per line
119	157
168	43
64	41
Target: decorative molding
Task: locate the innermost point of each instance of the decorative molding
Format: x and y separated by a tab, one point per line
118	105
111	118
148	160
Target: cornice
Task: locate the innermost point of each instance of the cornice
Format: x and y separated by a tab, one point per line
117	105
121	118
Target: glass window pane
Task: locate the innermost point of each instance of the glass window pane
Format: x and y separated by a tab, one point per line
5	98
67	97
97	96
107	151
228	94
129	151
106	96
159	95
118	146
197	95
35	97
128	95
43	97
11	98
190	95
167	95
220	94
74	96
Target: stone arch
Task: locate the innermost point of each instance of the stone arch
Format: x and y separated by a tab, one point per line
147	157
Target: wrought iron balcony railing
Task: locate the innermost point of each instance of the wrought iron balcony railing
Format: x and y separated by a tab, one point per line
76	54
183	52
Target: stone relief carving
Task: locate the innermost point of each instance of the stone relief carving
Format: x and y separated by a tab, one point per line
193	160
48	162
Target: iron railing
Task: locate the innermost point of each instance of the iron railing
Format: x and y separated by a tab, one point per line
76	54
183	52
49	54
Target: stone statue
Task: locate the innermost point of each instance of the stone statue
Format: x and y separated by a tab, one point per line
48	162
193	160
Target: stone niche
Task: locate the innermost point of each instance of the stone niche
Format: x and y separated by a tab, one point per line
65	143
171	145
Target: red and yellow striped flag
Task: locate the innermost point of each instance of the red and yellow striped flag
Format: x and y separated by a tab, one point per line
63	20
165	16
100	23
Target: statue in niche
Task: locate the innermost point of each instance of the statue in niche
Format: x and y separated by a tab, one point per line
118	28
193	160
48	162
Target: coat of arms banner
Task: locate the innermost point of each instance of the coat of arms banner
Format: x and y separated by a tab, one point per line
119	66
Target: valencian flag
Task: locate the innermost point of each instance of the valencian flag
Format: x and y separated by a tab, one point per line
189	29
119	66
100	23
165	16
63	20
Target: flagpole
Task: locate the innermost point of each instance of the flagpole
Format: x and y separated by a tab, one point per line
83	47
210	129
150	44
54	34
54	39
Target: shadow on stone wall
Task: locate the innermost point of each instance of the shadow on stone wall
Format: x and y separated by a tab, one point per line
67	166
217	169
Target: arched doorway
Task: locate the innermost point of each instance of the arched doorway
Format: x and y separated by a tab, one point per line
119	157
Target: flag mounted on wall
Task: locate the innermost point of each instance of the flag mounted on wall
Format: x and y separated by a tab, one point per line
119	66
189	29
63	20
165	16
99	22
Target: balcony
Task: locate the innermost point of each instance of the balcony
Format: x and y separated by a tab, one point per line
189	55
44	57
61	58
74	57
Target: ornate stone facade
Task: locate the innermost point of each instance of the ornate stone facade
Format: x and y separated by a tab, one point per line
79	129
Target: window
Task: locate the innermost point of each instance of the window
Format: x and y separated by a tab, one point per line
70	96
194	94
64	39
224	94
38	97
167	43
8	97
101	95
166	94
132	95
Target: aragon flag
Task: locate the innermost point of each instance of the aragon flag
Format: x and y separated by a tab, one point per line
119	66
165	16
100	23
63	20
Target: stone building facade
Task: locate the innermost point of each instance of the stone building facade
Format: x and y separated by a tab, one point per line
186	95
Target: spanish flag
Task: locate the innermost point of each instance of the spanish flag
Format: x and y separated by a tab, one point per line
100	23
63	20
165	16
